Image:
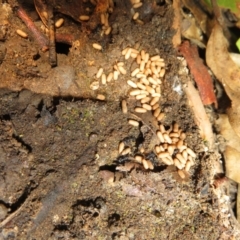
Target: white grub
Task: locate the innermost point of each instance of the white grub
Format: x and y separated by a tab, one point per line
181	158
110	77
97	46
181	174
165	146
133	122
191	152
150	165
115	75
122	70
163	154
134	72
156	112
155	58
141	96
179	143
155	106
142	54
108	30
84	17
134	50
137	5
132	84
21	33
160	116
94	85
156	95
121	146
120	64
124	51
135	16
167	138
158	149
185	154
139	59
141	86
175	139
158	69
140	110
183	136
154	101
99	73
174	134
150	89
144	81
133	55
188	166
138	158
138	21
142	65
104	79
154	70
145	100
124	106
146	57
158	89
167	161
178	164
115	67
190	158
175	127
147	106
59	22
159	64
126	151
162	128
152	81
160	136
128	53
145	164
140	75
101	97
162	72
171	149
135	92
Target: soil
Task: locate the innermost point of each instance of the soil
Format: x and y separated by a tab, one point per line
58	141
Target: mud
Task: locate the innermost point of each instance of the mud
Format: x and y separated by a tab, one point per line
56	138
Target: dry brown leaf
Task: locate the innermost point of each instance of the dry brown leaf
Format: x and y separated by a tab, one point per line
227	72
227	132
232	163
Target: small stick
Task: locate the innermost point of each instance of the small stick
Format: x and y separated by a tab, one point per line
64	38
52	47
36	33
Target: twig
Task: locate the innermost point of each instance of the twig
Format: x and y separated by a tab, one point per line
52	47
36	33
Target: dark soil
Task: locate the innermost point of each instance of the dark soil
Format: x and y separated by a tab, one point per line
55	141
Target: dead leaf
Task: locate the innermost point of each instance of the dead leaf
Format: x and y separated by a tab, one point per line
227	72
232	163
227	132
